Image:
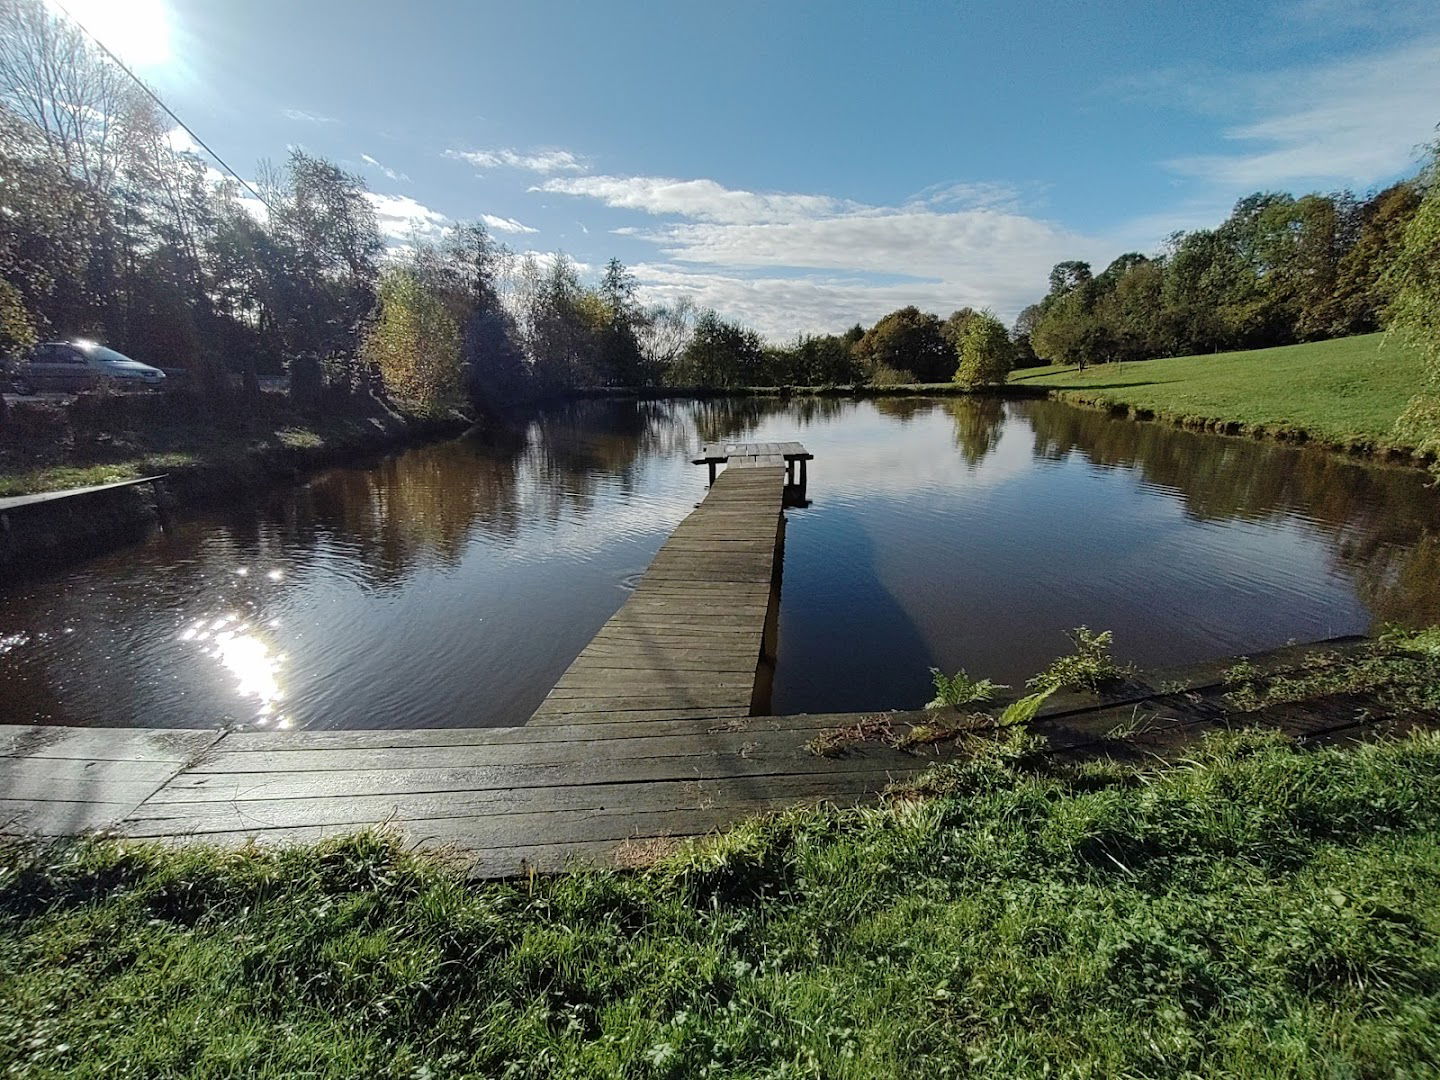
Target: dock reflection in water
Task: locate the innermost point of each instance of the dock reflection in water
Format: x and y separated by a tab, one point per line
452	585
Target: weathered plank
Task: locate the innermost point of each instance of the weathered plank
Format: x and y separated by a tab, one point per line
440	738
58	781
346	782
689	639
158	819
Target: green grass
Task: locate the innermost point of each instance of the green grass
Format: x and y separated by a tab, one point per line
1346	392
65	453
1253	911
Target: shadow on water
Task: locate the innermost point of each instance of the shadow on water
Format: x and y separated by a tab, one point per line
852	636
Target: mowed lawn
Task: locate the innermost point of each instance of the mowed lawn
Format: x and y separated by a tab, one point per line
1348	391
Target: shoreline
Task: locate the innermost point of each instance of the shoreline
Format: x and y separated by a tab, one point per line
1367	450
1374	450
54	535
50	536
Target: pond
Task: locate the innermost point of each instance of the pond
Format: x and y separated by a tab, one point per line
453	584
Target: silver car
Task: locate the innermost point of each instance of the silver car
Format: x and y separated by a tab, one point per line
68	366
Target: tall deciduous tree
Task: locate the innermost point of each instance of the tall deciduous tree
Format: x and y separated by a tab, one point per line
414	342
985	352
1413	280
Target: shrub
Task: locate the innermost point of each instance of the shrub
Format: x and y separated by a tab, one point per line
985	352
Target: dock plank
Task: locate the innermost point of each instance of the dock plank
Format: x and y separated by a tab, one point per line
691	636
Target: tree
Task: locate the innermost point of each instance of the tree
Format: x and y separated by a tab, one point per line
17	328
825	360
621	360
1132	308
1022	333
1362	289
1068	276
415	342
720	353
662	336
985	352
1413	279
953	328
910	341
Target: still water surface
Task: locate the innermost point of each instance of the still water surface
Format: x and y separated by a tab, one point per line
453	584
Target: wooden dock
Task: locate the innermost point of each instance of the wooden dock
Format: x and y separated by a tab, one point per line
648	738
543	796
692	639
791	455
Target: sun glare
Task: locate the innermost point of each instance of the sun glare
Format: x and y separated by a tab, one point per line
137	31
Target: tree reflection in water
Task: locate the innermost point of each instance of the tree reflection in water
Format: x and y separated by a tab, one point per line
452	584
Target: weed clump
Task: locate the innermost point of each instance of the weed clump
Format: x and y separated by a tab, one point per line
1089	667
1398	672
954	691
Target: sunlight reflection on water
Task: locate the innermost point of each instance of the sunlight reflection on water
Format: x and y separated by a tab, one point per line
451	585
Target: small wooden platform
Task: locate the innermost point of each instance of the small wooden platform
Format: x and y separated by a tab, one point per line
756	455
691	640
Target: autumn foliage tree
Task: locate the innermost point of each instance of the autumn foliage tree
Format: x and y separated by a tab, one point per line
1413	279
414	342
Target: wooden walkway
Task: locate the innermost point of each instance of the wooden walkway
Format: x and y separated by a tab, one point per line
648	738
693	638
543	796
756	455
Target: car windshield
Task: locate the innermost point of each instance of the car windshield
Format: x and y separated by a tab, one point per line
101	353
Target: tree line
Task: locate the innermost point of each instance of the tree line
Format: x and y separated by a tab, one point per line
1279	270
115	230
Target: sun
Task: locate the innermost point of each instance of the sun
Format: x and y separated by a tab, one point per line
137	31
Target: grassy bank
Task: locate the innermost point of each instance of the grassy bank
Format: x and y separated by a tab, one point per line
1345	393
45	447
1255	910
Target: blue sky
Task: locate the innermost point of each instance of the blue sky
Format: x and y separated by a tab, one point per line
803	166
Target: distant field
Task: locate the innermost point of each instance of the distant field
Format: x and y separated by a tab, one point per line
1346	392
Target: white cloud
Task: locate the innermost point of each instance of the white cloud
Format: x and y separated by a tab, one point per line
704	200
384	170
951	246
781	307
180	141
1328	17
307	117
974	195
399	217
1356	122
544	162
504	224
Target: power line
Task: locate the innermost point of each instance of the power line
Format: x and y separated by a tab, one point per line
168	111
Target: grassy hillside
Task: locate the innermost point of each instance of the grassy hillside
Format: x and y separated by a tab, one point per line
1346	392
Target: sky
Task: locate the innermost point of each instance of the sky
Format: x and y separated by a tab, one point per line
803	166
